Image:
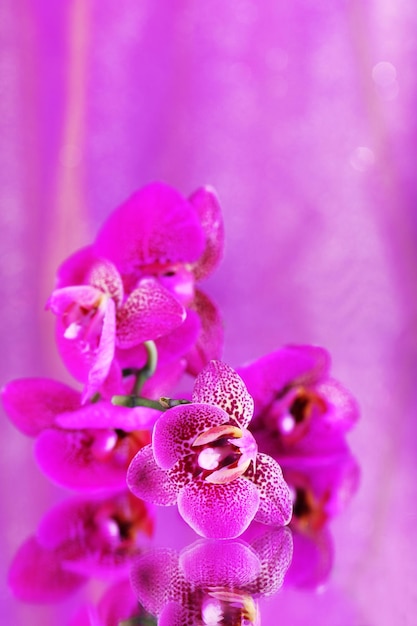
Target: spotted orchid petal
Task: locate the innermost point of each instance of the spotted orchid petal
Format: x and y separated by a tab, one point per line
85	268
85	332
218	384
177	429
33	404
209	343
205	201
149	312
275	551
219	511
154	226
275	504
148	481
156	579
235	565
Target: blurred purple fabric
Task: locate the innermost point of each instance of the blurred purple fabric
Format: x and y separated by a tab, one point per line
302	116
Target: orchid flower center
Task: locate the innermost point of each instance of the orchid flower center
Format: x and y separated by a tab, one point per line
85	323
223	453
293	412
227	606
308	511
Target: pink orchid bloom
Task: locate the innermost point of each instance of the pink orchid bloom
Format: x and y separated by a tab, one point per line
203	457
159	235
299	409
83	447
95	315
77	539
207	585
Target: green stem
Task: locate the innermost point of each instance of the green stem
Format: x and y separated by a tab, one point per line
148	369
132	401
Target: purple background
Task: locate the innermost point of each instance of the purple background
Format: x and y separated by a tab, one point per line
302	116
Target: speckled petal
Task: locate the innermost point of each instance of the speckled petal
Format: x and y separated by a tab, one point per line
100	365
149	312
234	565
219	384
219	511
275	505
33	404
275	550
209	211
156	579
148	481
176	430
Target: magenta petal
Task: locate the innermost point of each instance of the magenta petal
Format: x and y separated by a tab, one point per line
83	295
180	340
343	410
312	561
32	404
36	574
149	312
177	429
82	459
220	385
156	579
289	365
209	344
118	604
74	270
205	565
208	208
148	481
89	358
275	506
155	225
275	550
100	365
106	415
175	614
219	511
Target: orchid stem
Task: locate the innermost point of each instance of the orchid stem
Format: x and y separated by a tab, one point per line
148	369
132	401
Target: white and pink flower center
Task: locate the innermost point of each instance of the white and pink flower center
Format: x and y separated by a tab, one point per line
223	453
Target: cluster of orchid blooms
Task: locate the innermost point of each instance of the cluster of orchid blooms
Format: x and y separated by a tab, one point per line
131	320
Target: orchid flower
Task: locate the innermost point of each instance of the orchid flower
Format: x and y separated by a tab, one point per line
299	409
94	316
159	235
203	457
77	539
207	585
83	447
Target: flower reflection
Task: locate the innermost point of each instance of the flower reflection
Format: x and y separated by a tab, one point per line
79	538
321	490
210	583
